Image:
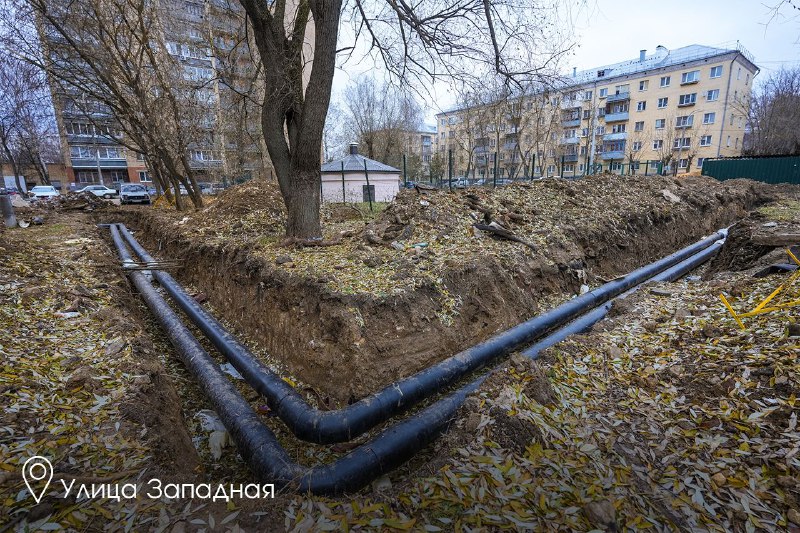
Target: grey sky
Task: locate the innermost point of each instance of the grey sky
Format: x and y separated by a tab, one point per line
608	31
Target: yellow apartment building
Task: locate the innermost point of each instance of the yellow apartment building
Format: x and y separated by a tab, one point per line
667	111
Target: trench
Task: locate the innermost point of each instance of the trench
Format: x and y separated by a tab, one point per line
397	443
348	346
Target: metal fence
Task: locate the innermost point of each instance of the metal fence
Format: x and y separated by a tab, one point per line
764	169
494	177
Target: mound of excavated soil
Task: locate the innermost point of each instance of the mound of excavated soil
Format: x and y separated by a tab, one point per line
418	282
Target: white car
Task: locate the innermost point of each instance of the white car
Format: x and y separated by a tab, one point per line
100	190
43	191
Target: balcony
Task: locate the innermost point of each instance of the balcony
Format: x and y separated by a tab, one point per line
104	163
571	158
571	123
569	140
617	154
616	117
618	97
615	136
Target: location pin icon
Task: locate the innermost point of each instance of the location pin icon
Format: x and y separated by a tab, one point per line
34	471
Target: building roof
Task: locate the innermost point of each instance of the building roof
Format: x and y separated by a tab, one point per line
355	163
661	58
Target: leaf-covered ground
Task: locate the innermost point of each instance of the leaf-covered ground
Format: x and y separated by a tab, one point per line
667	416
73	366
422	237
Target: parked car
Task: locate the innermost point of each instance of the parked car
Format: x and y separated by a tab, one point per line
206	188
101	191
218	188
152	191
43	191
133	193
11	191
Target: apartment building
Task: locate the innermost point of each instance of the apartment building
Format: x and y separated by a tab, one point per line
669	110
420	145
206	39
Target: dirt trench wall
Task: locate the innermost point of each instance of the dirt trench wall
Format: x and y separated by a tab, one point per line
349	346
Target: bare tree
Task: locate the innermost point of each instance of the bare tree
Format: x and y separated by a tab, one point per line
773	113
23	103
380	117
110	62
420	40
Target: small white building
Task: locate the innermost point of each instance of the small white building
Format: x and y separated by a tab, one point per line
345	180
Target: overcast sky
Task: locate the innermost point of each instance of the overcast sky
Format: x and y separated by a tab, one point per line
609	31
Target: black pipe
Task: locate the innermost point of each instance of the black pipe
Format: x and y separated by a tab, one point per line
345	424
586	321
257	443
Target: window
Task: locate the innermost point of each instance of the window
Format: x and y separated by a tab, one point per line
684	121
660	123
700	162
444	122
585	132
690	77
687	99
712	95
682	142
641	106
551	169
665	81
618	128
80	152
643	85
580	167
683	163
584	150
716	72
587	114
658	144
615	165
601	111
587	95
705	140
107	152
739	73
709	118
639	126
737	142
637	145
728	141
570	134
600	130
194	10
87	176
747	79
452	120
603	92
569	167
662	102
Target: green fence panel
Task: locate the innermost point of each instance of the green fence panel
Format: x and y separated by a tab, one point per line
764	169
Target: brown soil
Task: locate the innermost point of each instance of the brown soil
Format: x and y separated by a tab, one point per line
366	309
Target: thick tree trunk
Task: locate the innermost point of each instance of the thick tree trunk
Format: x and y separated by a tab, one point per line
303	203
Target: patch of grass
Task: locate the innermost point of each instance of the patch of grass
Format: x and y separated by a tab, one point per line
783	211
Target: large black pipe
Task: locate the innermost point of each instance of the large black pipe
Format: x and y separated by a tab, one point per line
586	321
313	425
257	443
